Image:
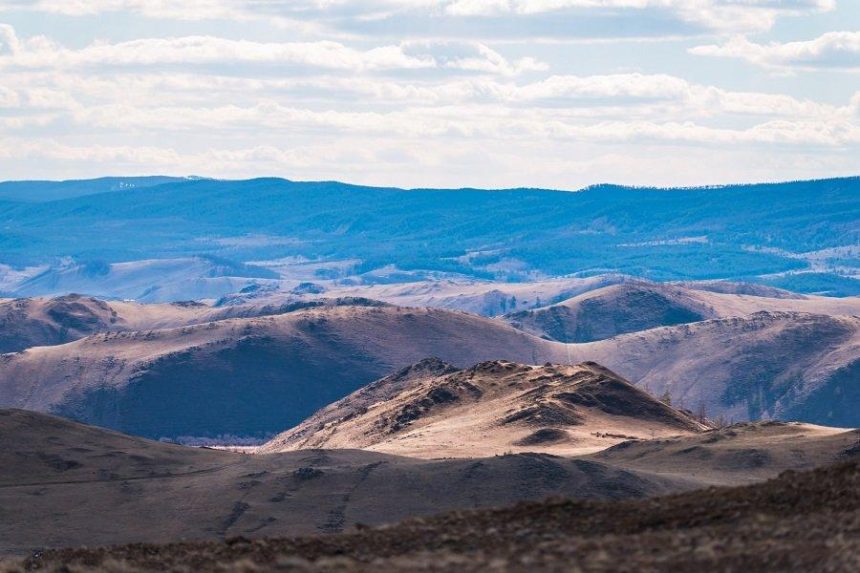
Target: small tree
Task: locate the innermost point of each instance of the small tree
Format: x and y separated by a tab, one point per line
666	398
701	413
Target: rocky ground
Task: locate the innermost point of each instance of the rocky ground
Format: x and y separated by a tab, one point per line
798	522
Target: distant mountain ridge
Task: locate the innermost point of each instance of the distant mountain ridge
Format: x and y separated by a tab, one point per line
741	232
45	191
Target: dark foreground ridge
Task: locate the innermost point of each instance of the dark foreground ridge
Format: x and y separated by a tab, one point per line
798	522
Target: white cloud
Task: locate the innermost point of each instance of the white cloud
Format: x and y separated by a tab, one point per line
9	43
833	50
447	18
417	92
467	56
491	7
21	150
8	98
477	122
610	107
471	57
169	9
195	50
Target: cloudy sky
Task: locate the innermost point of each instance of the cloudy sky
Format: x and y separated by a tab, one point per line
489	93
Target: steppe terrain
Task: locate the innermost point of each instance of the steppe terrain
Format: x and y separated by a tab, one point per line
420	359
797	523
363	430
267	363
259	375
63	484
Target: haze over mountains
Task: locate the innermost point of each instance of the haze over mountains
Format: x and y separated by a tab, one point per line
762	233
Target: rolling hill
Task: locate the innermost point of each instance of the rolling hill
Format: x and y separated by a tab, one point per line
432	410
34	322
486	298
768	365
51	321
265	368
152	280
796	523
63	484
609	311
245	376
633	306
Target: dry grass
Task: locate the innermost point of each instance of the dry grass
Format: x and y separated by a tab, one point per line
799	522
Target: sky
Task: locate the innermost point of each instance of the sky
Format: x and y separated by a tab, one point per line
418	93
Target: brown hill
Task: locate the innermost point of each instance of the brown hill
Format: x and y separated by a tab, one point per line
768	365
636	306
63	484
612	310
248	376
29	322
263	374
486	298
752	289
797	523
42	322
432	410
66	484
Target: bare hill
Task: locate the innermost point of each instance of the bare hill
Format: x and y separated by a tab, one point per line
432	410
640	305
486	298
265	366
768	365
741	453
612	310
29	322
63	484
752	289
42	322
245	376
148	280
